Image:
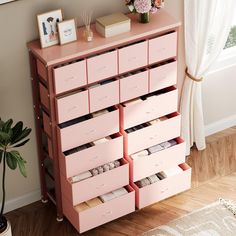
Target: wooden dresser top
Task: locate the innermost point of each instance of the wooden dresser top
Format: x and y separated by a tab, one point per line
161	21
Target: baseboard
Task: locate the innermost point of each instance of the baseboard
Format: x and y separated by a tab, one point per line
220	125
21	201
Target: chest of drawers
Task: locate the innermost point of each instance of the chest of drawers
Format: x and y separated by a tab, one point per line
102	102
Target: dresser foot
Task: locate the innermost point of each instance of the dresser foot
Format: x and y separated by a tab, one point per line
44	201
59	219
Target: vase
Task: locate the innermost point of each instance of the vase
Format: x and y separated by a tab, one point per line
88	34
144	17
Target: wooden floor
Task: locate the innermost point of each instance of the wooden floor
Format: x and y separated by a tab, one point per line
214	176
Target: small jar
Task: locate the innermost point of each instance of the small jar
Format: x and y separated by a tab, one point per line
88	34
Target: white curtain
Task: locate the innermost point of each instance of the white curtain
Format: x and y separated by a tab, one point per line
207	25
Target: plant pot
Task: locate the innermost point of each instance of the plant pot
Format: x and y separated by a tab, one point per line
144	17
7	231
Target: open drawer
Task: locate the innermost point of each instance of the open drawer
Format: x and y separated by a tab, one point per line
163	189
158	161
147	108
101	214
75	133
97	155
153	134
96	185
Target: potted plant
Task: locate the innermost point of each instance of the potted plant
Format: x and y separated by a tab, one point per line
10	139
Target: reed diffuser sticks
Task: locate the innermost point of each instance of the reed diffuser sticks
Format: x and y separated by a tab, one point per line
86	16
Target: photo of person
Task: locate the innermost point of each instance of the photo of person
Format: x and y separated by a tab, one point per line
48	31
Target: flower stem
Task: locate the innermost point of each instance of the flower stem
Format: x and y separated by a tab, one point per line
3	183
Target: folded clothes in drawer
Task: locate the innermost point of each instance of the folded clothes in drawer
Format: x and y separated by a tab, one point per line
95	212
151	133
149	107
162	185
90	184
88	128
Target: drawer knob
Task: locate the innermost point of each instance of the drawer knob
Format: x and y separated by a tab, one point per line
69	78
94	158
101	186
103	98
72	108
102	68
108	213
90	131
134	87
164	190
132	58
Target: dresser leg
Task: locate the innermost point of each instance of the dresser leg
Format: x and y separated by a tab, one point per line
44	201
59	218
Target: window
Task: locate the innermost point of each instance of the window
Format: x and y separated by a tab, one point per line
231	41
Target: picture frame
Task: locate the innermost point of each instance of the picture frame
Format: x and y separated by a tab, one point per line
6	1
47	25
67	31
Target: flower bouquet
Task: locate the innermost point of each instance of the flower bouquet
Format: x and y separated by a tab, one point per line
143	7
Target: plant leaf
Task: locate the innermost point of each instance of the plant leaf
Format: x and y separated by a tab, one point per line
21	144
1	153
25	132
21	164
17	129
6	127
1	124
11	161
4	137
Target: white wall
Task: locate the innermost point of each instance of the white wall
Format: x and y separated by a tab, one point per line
18	26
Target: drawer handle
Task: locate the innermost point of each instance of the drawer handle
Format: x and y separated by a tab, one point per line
134	87
94	158
165	190
103	98
101	186
69	78
90	132
71	108
108	213
158	164
148	112
132	58
102	68
161	49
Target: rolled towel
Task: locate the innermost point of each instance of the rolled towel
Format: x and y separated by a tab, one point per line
106	167
153	179
102	140
129	130
111	165
165	145
100	170
94	86
161	175
132	102
143	182
107	197
172	142
163	118
119	192
93	202
139	154
99	113
153	122
81	207
155	148
117	163
94	172
173	171
80	177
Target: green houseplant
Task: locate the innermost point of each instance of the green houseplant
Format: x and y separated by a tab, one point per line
11	137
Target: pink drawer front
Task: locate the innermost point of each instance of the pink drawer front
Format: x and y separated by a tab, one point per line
102	66
70	76
96	185
72	106
163	189
104	96
163	76
44	97
133	86
47	124
162	47
151	108
42	70
159	161
100	214
132	57
153	134
89	130
92	157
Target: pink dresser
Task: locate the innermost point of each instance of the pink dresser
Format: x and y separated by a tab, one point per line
124	88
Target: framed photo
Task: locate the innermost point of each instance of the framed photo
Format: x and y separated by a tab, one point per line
47	24
6	1
67	31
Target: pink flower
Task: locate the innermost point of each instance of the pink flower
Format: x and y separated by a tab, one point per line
142	6
153	10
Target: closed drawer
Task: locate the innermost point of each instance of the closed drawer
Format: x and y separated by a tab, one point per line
42	70
153	134
87	131
159	161
102	153
163	189
102	66
44	96
163	47
100	214
46	124
72	106
133	86
96	185
103	96
150	108
132	57
70	76
163	76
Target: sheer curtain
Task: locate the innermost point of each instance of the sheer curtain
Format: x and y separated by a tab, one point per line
207	25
